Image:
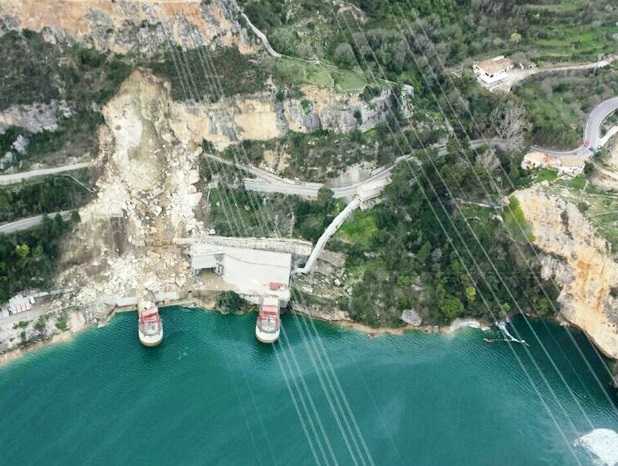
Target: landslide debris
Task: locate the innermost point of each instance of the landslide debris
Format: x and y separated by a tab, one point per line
124	245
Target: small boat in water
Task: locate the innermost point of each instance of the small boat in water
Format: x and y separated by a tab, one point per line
150	327
268	322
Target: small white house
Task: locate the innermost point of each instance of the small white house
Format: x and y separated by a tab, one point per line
492	71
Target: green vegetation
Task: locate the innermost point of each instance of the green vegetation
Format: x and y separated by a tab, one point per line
609	122
41	324
424	252
62	323
312	217
230	301
399	255
233	211
360	229
545	174
82	77
515	222
558	105
322	155
545	30
292	72
43	196
203	73
407	43
27	259
237	212
600	208
75	74
21	324
75	136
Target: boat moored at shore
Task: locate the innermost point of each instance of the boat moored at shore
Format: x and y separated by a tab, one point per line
268	323
150	327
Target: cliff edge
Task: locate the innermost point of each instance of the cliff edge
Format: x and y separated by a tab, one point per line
580	262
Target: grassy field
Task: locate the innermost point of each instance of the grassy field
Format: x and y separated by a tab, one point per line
297	72
564	7
544	174
572	43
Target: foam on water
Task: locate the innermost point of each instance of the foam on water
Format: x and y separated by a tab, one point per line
603	444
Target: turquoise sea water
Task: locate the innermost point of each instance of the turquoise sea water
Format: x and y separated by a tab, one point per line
212	395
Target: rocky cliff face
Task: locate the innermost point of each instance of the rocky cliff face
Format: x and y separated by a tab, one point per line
262	117
34	118
581	263
125	26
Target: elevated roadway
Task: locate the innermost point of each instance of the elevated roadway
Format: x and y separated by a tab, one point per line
30	222
22	176
266	182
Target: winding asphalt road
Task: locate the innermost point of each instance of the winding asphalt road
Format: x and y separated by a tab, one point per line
592	132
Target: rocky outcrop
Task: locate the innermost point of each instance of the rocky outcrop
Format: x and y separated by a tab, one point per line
34	118
580	262
262	117
124	26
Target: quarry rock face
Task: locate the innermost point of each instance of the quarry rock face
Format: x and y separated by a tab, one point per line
129	26
580	262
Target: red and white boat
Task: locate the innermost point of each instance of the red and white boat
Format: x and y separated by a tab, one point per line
150	328
268	322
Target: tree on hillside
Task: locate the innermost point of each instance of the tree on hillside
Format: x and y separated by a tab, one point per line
510	121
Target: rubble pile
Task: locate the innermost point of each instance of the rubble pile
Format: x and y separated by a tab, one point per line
146	197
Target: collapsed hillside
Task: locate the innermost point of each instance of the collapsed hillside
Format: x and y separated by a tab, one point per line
124	245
